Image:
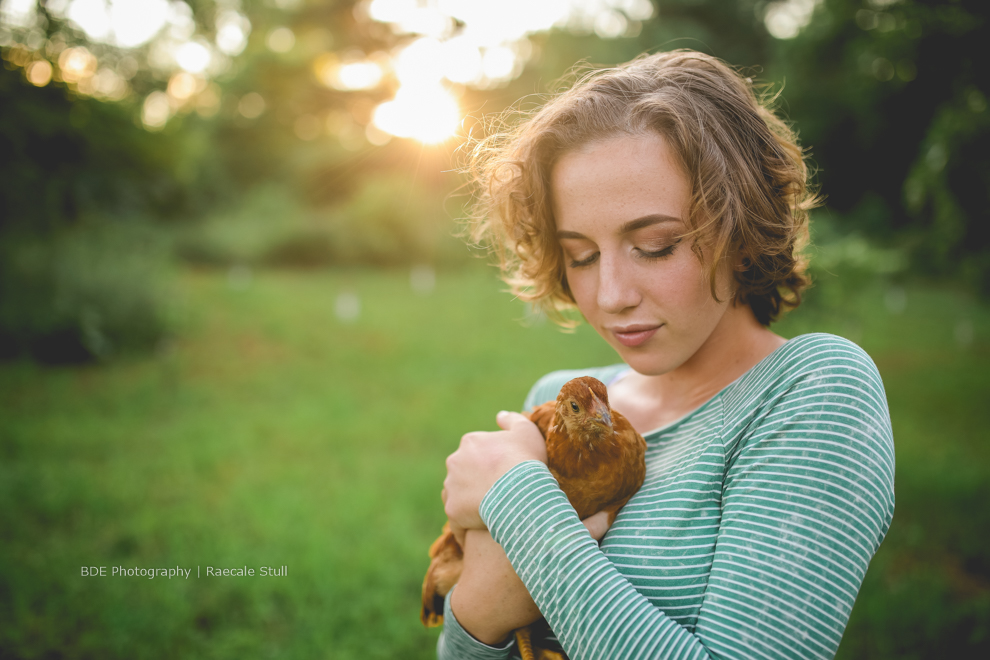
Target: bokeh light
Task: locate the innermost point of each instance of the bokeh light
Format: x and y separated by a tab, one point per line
167	28
420	63
19	13
76	64
352	74
183	85
107	84
251	106
786	19
462	61
156	110
208	100
281	40
193	56
232	31
39	73
358	75
125	23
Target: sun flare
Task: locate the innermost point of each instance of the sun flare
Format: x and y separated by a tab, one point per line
428	113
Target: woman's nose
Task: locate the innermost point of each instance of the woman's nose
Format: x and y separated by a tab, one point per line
617	289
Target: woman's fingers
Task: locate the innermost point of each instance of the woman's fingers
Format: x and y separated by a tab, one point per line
481	459
597	524
462	493
523	434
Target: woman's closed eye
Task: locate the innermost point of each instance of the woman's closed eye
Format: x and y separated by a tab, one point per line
580	262
579	252
659	253
646	252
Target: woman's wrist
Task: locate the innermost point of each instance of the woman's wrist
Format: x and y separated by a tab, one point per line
479	624
456	642
520	475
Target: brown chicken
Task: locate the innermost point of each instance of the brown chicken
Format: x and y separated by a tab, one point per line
596	456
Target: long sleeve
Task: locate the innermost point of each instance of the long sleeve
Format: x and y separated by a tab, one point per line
806	498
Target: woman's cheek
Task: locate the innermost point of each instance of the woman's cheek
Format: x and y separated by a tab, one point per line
584	289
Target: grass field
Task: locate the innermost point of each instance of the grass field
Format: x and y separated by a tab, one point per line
271	433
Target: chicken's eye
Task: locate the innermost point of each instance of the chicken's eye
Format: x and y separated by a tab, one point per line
574	407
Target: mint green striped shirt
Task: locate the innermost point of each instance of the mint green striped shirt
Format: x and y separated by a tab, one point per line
750	537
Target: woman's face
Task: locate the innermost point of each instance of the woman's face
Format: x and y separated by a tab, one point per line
620	206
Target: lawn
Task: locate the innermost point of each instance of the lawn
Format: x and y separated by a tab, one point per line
272	433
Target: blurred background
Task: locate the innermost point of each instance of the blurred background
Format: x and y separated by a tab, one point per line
237	326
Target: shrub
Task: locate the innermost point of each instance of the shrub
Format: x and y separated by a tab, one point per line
87	293
385	222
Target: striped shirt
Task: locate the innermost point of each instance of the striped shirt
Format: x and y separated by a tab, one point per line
750	537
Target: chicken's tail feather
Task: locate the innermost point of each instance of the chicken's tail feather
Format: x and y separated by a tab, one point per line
445	570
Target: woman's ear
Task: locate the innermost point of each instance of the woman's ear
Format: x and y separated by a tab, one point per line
741	263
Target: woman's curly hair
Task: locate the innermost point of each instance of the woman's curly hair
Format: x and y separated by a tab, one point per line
750	196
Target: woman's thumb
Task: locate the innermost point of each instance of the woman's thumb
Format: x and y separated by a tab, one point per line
506	419
597	524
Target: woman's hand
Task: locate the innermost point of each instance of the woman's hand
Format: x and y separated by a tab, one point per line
597	524
481	459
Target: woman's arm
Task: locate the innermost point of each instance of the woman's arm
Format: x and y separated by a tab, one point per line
807	498
487	576
490	600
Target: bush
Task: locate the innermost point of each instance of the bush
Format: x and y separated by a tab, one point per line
386	222
844	262
86	293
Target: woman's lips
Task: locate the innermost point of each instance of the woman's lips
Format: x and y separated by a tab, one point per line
635	335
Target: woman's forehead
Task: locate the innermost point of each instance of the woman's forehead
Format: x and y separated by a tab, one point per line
619	182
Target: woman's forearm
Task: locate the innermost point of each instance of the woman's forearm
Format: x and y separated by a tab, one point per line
490	600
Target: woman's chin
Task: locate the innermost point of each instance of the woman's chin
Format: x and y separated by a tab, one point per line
652	357
647	363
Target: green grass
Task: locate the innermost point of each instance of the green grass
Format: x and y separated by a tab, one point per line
271	433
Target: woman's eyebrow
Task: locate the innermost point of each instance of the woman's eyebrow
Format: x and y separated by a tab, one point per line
646	221
630	226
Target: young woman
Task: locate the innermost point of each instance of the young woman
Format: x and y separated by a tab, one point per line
665	203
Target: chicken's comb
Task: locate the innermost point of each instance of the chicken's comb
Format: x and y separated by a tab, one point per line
595	396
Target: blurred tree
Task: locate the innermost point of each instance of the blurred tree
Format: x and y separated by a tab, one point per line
81	178
68	156
892	96
187	106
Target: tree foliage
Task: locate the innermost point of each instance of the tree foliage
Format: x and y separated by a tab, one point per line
889	95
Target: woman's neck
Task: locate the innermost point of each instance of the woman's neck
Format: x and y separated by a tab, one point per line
735	346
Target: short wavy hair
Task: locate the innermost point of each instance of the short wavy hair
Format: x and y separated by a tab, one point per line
749	181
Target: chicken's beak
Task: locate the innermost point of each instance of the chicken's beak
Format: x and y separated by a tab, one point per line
600	412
